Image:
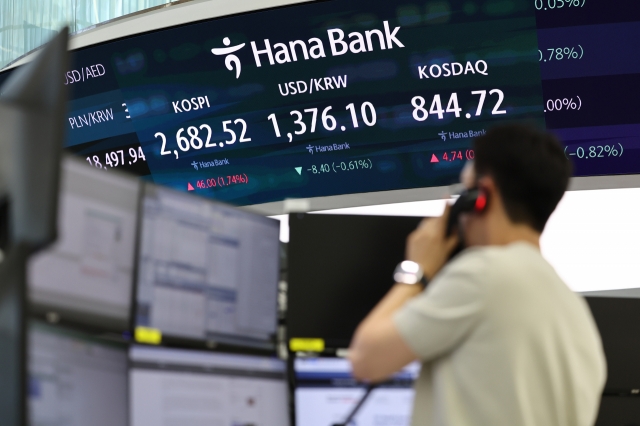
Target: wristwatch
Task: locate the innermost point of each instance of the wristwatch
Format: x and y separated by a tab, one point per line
408	272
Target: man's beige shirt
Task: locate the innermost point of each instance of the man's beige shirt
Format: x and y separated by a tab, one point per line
504	342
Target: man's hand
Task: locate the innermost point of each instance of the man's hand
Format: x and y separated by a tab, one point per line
428	245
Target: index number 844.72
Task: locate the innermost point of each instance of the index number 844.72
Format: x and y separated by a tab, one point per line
420	113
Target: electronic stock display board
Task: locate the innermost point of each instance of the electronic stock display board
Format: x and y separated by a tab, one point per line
347	96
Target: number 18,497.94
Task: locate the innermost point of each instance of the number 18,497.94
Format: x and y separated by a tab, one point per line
117	158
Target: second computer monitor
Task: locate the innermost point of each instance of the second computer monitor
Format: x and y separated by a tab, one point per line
326	392
76	379
186	387
86	277
340	266
207	271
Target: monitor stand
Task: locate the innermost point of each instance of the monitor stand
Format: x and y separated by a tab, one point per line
358	406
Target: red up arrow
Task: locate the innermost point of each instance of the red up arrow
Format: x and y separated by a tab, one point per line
189	187
434	159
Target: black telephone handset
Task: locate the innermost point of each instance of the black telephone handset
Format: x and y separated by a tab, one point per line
471	200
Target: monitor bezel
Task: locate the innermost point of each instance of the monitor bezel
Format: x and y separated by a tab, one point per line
267	347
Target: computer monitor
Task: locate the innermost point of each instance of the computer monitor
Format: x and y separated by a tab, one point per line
618	320
340	266
32	109
326	392
618	411
32	117
178	387
76	380
207	271
87	275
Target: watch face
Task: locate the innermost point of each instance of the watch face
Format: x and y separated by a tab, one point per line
408	272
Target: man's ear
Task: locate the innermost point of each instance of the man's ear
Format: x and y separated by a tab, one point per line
487	185
496	204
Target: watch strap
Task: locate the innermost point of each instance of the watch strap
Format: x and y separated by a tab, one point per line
424	281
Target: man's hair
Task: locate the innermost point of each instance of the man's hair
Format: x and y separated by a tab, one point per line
529	168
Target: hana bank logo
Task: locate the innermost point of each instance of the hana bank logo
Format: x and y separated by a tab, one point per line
231	61
313	48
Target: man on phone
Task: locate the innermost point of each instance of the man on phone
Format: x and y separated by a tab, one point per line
502	340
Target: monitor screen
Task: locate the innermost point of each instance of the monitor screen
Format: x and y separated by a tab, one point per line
618	320
207	271
618	411
349	96
175	387
88	273
340	267
326	393
76	380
